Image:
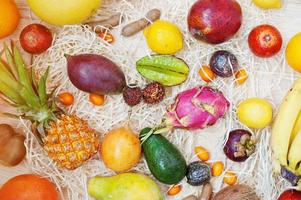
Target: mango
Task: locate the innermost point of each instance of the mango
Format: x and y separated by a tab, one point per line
165	69
126	186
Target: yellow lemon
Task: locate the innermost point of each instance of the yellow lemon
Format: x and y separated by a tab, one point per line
164	37
62	12
268	4
293	52
255	113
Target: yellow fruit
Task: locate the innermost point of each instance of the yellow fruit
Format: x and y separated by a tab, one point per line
284	123
120	149
62	12
293	52
255	113
202	153
9	17
230	178
217	168
164	37
268	4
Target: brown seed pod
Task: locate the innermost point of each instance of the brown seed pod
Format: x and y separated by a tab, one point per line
132	95
153	93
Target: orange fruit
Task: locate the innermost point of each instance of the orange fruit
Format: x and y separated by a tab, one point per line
97	100
217	168
9	17
241	76
206	74
174	190
66	98
202	153
230	178
29	187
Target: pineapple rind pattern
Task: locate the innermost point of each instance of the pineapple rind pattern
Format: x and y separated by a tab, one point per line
70	141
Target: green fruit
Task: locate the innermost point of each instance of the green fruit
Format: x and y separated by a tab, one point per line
165	69
164	160
127	186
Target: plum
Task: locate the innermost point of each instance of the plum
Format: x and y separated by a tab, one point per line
239	146
214	21
223	63
35	38
95	74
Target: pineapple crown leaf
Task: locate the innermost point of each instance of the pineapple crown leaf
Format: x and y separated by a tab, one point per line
10	61
20	86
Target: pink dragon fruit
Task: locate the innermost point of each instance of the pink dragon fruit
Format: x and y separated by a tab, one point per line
196	108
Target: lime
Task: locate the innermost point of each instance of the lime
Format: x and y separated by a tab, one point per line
164	37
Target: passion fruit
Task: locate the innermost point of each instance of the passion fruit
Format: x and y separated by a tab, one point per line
223	63
198	173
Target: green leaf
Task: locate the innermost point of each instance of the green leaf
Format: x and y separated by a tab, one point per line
31	100
10	61
28	92
34	80
22	70
42	88
6	77
10	93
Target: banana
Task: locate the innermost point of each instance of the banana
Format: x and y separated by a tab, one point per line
296	129
284	123
294	156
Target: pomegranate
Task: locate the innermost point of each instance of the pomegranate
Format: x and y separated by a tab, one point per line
265	40
214	21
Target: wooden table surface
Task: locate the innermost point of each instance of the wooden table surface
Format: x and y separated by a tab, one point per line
288	20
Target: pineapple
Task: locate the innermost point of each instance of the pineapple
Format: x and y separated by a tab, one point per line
67	139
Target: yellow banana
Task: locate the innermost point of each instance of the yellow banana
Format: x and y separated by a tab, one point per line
284	123
294	156
297	128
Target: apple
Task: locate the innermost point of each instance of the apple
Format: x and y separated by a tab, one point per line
35	38
290	195
214	21
265	41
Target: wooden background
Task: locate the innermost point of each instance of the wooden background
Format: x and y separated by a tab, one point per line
288	20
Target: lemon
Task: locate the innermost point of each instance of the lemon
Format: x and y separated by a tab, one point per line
62	12
268	4
293	52
164	37
255	113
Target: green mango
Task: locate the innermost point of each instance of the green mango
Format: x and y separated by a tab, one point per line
126	186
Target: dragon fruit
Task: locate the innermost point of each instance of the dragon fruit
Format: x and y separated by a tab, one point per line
197	108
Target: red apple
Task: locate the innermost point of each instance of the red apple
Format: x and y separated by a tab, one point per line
214	21
265	40
290	195
35	38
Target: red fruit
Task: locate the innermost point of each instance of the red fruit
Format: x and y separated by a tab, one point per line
265	40
214	21
35	38
28	187
290	195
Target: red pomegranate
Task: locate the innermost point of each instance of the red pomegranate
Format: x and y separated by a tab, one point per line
214	21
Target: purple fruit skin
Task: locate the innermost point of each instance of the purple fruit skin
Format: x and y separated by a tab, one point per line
223	63
95	74
230	147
